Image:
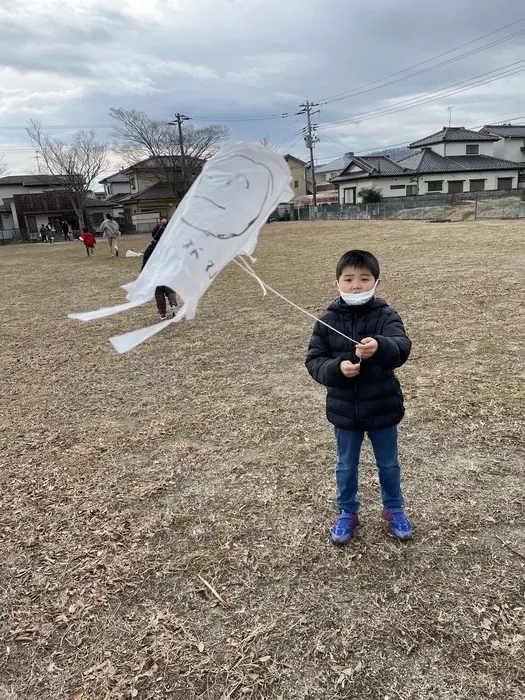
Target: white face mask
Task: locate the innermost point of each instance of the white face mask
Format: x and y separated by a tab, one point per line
358	299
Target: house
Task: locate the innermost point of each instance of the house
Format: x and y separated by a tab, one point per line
117	185
28	201
297	170
511	144
325	173
452	160
151	196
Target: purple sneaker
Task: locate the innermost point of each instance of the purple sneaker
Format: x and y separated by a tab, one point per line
400	526
343	529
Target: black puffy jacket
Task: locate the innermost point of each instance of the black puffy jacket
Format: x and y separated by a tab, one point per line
373	399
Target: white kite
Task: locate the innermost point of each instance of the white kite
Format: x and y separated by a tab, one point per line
218	219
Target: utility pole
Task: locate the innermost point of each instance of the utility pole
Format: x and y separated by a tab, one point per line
310	140
179	118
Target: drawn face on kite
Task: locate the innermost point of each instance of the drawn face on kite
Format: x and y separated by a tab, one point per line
227	206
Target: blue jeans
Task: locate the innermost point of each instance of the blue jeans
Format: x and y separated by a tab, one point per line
384	444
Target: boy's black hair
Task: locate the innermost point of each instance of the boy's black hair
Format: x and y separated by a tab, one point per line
358	258
85	229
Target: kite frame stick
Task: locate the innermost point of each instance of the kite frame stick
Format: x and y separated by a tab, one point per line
244	266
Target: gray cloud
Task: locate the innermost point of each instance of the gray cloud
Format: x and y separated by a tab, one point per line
235	59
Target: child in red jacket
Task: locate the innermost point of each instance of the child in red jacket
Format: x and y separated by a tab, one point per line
89	240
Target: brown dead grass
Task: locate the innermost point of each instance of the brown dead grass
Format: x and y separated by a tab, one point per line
164	515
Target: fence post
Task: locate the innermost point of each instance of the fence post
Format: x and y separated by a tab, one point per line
476	208
444	207
502	207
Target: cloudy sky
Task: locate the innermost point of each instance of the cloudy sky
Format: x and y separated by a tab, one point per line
67	63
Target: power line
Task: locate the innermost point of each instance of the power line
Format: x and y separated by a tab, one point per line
361	88
371	149
425	98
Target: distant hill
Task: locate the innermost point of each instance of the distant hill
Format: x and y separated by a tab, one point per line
394	153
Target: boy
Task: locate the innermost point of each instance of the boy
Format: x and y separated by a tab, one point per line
110	230
363	392
89	240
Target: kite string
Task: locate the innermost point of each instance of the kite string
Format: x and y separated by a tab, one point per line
266	287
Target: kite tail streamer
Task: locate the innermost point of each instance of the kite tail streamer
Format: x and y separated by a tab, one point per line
107	311
244	266
128	341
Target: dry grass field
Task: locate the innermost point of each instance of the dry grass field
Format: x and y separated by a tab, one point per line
164	515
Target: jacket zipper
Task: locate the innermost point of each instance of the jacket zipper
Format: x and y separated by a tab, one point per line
354	324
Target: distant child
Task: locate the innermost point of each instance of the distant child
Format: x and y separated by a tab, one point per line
162	292
110	229
89	240
364	394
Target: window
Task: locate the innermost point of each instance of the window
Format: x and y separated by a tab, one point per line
411	190
477	185
505	183
349	195
397	187
435	186
455	186
472	149
296	183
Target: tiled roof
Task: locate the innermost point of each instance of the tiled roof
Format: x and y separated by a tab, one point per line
160	190
428	161
93	202
117	197
376	166
452	133
34	180
156	162
516	131
337	165
117	177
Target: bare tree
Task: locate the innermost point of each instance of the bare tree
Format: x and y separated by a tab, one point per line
140	137
267	143
77	163
3	165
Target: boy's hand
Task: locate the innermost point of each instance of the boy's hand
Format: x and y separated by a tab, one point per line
366	348
349	369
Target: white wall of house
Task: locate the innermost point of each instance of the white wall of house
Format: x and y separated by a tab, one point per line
510	149
389	186
324	178
459	148
113	188
397	186
489	176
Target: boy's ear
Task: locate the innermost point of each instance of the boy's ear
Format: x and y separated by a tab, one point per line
378	283
336	286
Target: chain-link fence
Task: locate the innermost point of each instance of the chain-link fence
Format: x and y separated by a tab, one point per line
466	206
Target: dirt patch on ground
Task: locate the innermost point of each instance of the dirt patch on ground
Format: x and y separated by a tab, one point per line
165	514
